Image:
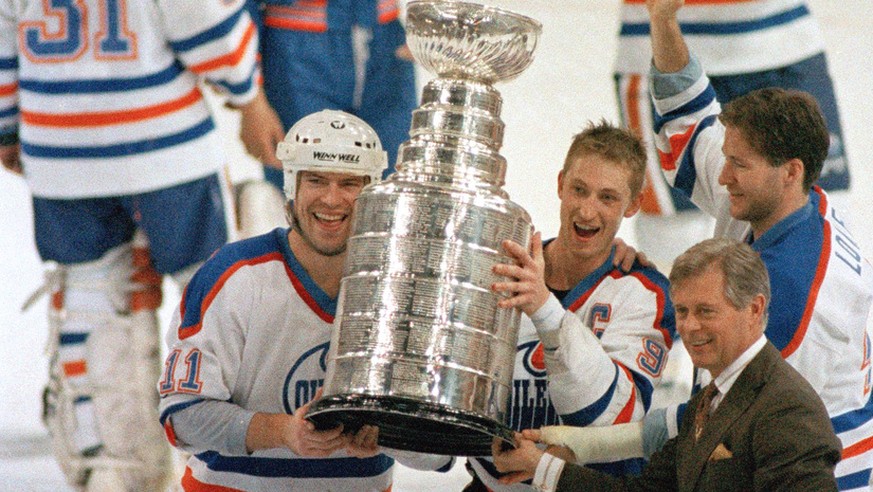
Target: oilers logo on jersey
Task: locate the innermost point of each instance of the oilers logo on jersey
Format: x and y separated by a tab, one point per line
531	406
298	392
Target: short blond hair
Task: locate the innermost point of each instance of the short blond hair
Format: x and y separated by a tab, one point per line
617	145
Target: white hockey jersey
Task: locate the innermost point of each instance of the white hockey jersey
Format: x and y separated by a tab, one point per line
104	94
255	331
761	35
822	287
611	350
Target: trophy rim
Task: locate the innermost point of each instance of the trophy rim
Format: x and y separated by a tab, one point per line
427	8
535	24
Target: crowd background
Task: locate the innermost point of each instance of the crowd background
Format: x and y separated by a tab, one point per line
569	83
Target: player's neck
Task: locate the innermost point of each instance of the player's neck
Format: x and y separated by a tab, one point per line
564	268
785	208
326	271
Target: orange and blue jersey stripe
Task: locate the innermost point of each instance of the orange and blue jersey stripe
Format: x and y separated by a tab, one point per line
308	16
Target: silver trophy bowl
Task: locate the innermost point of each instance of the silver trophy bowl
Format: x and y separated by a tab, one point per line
420	346
470	41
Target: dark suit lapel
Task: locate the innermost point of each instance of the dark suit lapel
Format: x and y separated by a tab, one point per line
741	395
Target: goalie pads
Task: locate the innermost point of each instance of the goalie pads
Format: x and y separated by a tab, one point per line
100	404
260	208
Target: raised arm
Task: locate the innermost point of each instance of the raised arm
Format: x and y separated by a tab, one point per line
669	52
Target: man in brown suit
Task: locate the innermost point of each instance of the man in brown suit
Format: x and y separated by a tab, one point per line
759	426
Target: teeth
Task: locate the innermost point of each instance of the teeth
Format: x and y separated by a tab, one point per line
328	218
584	228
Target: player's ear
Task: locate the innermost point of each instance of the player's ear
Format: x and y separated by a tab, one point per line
560	184
634	206
794	172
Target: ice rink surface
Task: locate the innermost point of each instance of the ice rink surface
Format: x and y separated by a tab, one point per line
569	83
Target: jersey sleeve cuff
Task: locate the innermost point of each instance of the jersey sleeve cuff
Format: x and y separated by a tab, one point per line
665	85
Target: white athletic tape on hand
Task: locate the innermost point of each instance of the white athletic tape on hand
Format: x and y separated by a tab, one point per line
598	444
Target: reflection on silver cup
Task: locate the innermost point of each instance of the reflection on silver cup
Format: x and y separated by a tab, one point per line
420	347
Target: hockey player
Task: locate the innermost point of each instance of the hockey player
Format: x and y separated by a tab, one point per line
348	55
100	110
744	46
248	344
752	167
595	338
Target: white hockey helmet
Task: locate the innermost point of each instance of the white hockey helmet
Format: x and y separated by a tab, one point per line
330	141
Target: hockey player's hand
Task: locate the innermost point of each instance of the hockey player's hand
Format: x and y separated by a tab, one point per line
520	463
365	442
664	9
261	130
529	291
10	156
280	430
626	255
404	53
301	436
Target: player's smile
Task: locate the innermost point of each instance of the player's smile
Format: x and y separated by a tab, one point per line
585	231
333	221
595	196
323	209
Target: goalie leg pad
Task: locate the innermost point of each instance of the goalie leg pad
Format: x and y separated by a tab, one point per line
101	403
260	208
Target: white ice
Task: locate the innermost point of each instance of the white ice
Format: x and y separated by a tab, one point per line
568	84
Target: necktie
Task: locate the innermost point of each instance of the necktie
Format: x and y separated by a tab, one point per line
703	409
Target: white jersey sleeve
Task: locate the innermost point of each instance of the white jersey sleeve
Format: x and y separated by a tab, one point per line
610	351
688	139
217	40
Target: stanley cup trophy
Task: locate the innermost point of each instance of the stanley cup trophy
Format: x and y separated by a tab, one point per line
420	347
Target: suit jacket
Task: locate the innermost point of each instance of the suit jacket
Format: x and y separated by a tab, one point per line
770	432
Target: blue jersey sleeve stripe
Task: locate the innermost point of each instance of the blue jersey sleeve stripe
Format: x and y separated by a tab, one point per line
701	101
73	338
213	33
687	173
853	419
298	468
242	87
118	150
90	86
9	112
490	469
723	28
166	414
587	415
857	480
8	63
644	388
